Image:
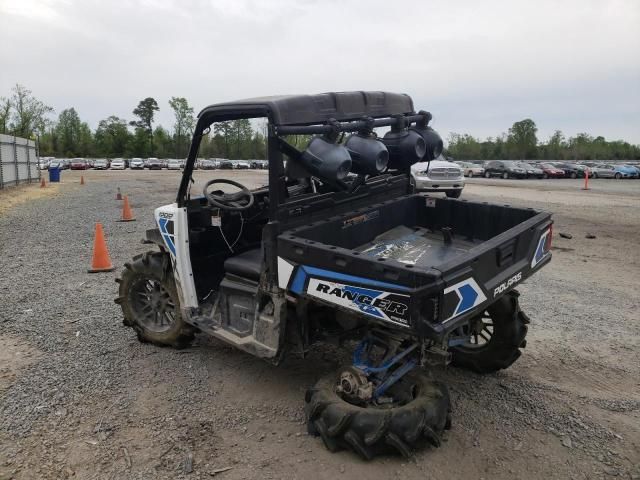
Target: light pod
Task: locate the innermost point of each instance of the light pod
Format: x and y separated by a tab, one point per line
368	154
326	160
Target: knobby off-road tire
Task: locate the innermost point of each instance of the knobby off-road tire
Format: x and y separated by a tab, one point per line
150	302
373	430
505	341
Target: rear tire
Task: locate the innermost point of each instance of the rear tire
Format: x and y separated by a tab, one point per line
487	175
506	337
376	430
574	175
618	176
453	193
505	175
150	303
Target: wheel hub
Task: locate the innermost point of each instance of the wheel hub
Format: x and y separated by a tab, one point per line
353	386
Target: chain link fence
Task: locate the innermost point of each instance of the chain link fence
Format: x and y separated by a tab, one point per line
18	161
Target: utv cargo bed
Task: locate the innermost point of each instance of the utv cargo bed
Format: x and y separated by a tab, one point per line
445	260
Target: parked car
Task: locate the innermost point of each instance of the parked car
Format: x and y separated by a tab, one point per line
616	171
154	164
208	164
550	171
173	164
504	169
438	176
118	164
532	170
136	164
242	165
65	163
571	170
101	164
226	165
471	169
634	167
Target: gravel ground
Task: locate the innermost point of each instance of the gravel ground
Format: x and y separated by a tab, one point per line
81	398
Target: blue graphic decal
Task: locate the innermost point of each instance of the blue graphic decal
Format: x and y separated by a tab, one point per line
363	299
468	296
297	286
168	238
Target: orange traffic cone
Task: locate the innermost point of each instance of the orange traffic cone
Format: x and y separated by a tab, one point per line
118	195
127	214
101	261
81	179
43	184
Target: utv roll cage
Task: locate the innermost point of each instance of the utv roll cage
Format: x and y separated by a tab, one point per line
325	113
299	115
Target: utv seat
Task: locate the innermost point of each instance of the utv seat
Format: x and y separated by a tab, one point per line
246	265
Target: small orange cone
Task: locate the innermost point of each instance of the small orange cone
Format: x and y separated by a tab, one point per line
81	179
118	195
127	215
43	184
101	261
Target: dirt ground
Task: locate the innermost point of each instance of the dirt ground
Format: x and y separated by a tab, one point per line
81	398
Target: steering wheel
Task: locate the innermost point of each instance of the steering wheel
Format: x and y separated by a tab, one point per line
229	201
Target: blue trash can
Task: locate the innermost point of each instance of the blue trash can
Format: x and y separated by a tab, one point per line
54	174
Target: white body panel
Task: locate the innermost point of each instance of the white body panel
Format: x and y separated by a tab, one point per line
174	229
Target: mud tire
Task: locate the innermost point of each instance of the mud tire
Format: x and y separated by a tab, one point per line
154	266
371	431
509	332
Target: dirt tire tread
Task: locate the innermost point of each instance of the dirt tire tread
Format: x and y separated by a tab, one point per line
374	431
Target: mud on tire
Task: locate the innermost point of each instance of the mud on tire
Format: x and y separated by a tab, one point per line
371	431
152	273
507	338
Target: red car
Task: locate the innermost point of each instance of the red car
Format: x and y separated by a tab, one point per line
79	164
550	171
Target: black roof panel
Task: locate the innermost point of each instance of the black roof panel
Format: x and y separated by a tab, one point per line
313	109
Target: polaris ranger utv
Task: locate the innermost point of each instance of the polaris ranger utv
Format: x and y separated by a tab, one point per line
339	246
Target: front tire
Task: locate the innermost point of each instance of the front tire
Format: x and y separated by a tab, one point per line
574	175
495	337
505	175
618	176
150	303
487	175
369	430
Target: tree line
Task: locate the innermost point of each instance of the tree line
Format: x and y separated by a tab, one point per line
23	115
521	143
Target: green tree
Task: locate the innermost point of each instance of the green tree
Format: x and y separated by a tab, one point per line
68	133
224	131
5	114
145	111
29	113
112	137
163	143
522	140
555	147
183	127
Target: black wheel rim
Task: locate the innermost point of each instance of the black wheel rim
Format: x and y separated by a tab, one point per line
479	332
153	305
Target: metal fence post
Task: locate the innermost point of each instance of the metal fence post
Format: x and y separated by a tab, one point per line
28	161
15	159
1	180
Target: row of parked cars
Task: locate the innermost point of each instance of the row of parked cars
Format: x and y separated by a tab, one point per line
546	169
147	163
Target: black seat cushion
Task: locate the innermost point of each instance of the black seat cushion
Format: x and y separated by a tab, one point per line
247	264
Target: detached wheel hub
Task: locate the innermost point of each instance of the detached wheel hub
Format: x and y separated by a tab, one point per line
353	386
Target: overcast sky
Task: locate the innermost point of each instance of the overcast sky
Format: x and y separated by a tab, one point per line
478	66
